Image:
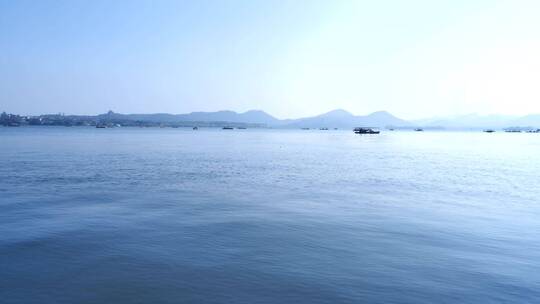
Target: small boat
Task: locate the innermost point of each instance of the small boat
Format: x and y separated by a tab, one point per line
365	131
101	126
323	129
391	129
489	131
241	128
305	128
195	128
228	128
419	129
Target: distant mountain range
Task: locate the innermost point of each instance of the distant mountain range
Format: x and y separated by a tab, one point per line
339	119
249	117
344	119
256	118
332	119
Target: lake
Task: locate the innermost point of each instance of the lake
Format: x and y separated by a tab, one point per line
129	215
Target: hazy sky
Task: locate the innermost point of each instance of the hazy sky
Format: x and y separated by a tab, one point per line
289	58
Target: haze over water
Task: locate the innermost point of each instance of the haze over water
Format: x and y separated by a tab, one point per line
268	216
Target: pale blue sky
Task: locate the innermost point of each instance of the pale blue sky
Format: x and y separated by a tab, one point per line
289	58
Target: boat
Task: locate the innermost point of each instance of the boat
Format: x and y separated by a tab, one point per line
101	126
324	129
489	131
241	128
195	128
365	131
228	128
305	128
419	129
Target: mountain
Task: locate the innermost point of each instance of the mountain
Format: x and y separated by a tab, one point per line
253	116
344	119
382	119
257	118
333	119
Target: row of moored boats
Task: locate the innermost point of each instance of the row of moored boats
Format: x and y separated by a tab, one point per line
514	131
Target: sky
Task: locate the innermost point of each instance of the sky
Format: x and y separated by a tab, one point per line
414	58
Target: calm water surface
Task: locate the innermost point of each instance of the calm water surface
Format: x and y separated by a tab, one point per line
268	216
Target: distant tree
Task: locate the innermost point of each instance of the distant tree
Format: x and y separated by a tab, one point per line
4	119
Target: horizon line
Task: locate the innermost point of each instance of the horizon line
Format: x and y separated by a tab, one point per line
451	116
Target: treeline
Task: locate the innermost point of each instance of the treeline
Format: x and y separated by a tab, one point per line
107	120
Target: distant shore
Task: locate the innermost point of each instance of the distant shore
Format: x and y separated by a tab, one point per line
337	119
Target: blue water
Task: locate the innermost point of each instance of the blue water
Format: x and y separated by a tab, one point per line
268	216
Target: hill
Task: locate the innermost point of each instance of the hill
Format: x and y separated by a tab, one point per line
344	119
